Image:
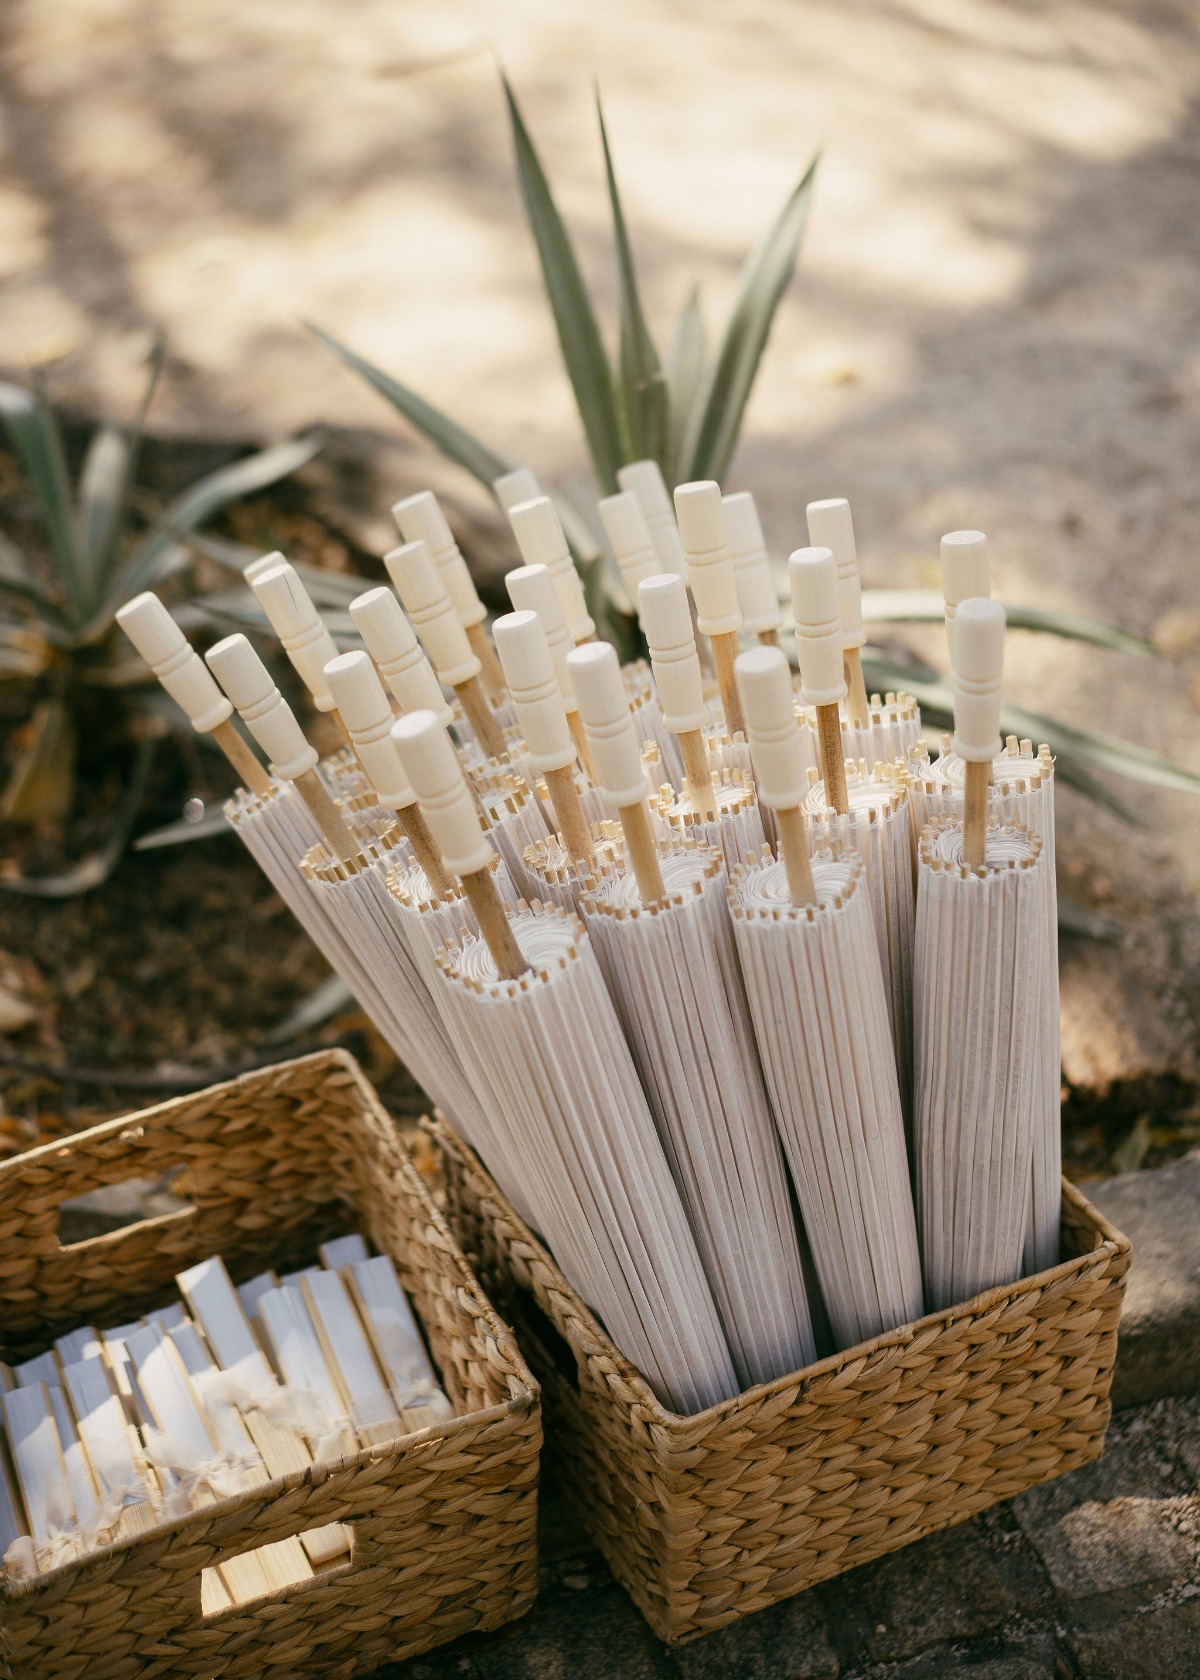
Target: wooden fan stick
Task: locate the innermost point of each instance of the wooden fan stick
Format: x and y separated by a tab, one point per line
756	593
604	708
531	589
667	625
814	580
713	583
420	586
295	620
181	671
528	665
830	526
270	720
364	707
421	519
540	538
978	674
432	768
765	683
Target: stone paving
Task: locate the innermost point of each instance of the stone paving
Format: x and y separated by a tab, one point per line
1093	1577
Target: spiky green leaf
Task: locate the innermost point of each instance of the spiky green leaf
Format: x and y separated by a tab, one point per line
454	441
160	552
33	428
642	385
1077	751
103	493
574	318
927	606
764	280
685	379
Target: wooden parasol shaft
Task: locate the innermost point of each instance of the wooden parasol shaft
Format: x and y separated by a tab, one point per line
725	651
833	765
697	770
491	675
479	716
412	820
642	853
975	801
568	812
250	772
494	925
768	638
858	707
793	850
328	818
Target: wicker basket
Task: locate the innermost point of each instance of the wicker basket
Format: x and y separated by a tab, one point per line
443	1522
705	1519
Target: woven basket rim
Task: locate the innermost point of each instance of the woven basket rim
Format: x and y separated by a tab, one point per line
12	1591
589	1337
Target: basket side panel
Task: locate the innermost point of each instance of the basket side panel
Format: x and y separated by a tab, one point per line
444	1543
264	1159
705	1520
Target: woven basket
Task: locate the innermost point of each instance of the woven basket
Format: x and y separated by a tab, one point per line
705	1519
443	1522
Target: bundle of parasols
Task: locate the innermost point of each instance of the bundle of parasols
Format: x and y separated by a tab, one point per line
747	1003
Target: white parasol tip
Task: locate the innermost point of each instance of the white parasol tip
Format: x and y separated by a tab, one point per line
645	480
519	485
667	625
265	563
290	611
710	570
421	586
532	681
817	614
756	594
978	657
630	539
831	526
176	664
431	766
420	519
765	689
604	709
248	683
966	573
539	532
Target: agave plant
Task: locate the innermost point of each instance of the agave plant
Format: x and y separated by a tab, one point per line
686	411
85	688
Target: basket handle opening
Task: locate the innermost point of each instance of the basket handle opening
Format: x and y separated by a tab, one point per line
94	1215
244	1575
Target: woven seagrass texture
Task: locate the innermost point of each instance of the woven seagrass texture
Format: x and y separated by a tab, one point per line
443	1522
708	1518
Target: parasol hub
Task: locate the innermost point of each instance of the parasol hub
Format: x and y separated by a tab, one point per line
294	619
176	664
542	542
420	519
